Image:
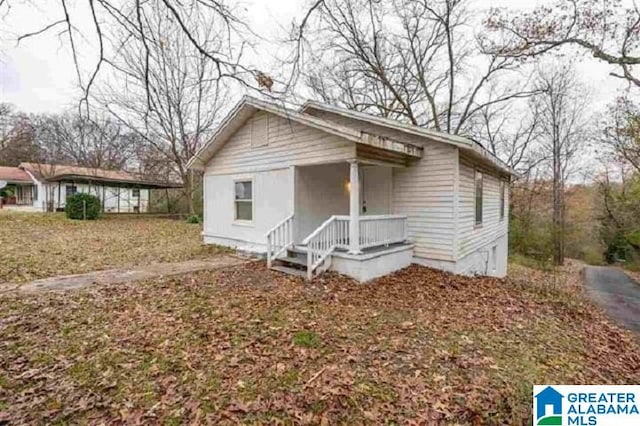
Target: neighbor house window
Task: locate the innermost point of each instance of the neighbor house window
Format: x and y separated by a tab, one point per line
478	197
244	200
70	190
503	188
135	193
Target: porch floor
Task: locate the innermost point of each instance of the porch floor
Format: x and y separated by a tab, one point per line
367	253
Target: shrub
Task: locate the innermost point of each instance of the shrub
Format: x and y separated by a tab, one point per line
193	219
82	206
593	255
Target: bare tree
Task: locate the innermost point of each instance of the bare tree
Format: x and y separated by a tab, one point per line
170	94
73	139
562	109
417	61
605	29
17	137
128	20
621	134
512	133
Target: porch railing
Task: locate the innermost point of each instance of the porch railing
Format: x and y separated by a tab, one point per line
382	230
279	239
334	233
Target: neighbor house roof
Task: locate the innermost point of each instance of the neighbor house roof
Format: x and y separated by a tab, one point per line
14	175
248	106
56	172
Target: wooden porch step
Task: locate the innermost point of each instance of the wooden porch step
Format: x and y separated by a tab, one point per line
295	260
290	271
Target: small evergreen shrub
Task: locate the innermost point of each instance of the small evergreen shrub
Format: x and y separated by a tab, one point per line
77	203
193	219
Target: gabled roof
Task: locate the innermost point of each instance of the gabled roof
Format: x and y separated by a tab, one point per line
14	175
56	172
468	146
248	106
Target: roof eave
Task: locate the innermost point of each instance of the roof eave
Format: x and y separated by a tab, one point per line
458	141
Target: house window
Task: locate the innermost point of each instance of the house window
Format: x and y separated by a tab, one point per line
503	188
244	200
35	192
478	197
259	130
135	193
70	190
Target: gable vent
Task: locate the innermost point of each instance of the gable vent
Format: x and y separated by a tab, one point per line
260	130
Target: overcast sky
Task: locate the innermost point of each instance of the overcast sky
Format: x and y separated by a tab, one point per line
38	75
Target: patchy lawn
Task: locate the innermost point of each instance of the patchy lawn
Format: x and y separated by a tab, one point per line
249	345
41	245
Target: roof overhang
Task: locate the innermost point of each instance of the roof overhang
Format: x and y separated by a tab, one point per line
114	182
249	106
468	146
17	181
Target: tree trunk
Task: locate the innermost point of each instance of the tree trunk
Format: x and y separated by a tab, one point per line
558	206
188	191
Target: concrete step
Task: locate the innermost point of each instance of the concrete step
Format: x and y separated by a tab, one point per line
290	271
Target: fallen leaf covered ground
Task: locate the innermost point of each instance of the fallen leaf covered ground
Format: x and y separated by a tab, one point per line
249	345
42	245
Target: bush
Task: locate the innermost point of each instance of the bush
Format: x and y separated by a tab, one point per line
82	206
592	254
193	219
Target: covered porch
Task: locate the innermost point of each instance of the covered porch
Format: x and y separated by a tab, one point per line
343	218
18	195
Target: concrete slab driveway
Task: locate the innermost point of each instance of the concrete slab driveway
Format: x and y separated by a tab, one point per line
119	276
618	294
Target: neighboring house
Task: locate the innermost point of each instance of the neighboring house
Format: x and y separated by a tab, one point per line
45	187
329	188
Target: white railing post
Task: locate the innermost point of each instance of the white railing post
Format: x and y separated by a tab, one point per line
279	239
354	208
268	250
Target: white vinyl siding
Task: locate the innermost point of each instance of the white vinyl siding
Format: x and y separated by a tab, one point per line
271	198
472	237
289	143
425	193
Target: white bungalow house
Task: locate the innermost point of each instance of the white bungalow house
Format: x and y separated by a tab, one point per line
325	187
34	187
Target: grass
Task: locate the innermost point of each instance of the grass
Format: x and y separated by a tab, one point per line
42	245
307	339
247	345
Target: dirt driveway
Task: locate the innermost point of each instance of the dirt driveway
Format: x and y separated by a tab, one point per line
618	294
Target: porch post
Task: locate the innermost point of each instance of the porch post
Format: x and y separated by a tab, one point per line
354	208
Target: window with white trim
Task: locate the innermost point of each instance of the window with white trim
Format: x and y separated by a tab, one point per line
243	200
478	197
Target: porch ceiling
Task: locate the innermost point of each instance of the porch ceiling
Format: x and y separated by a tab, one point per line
374	155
